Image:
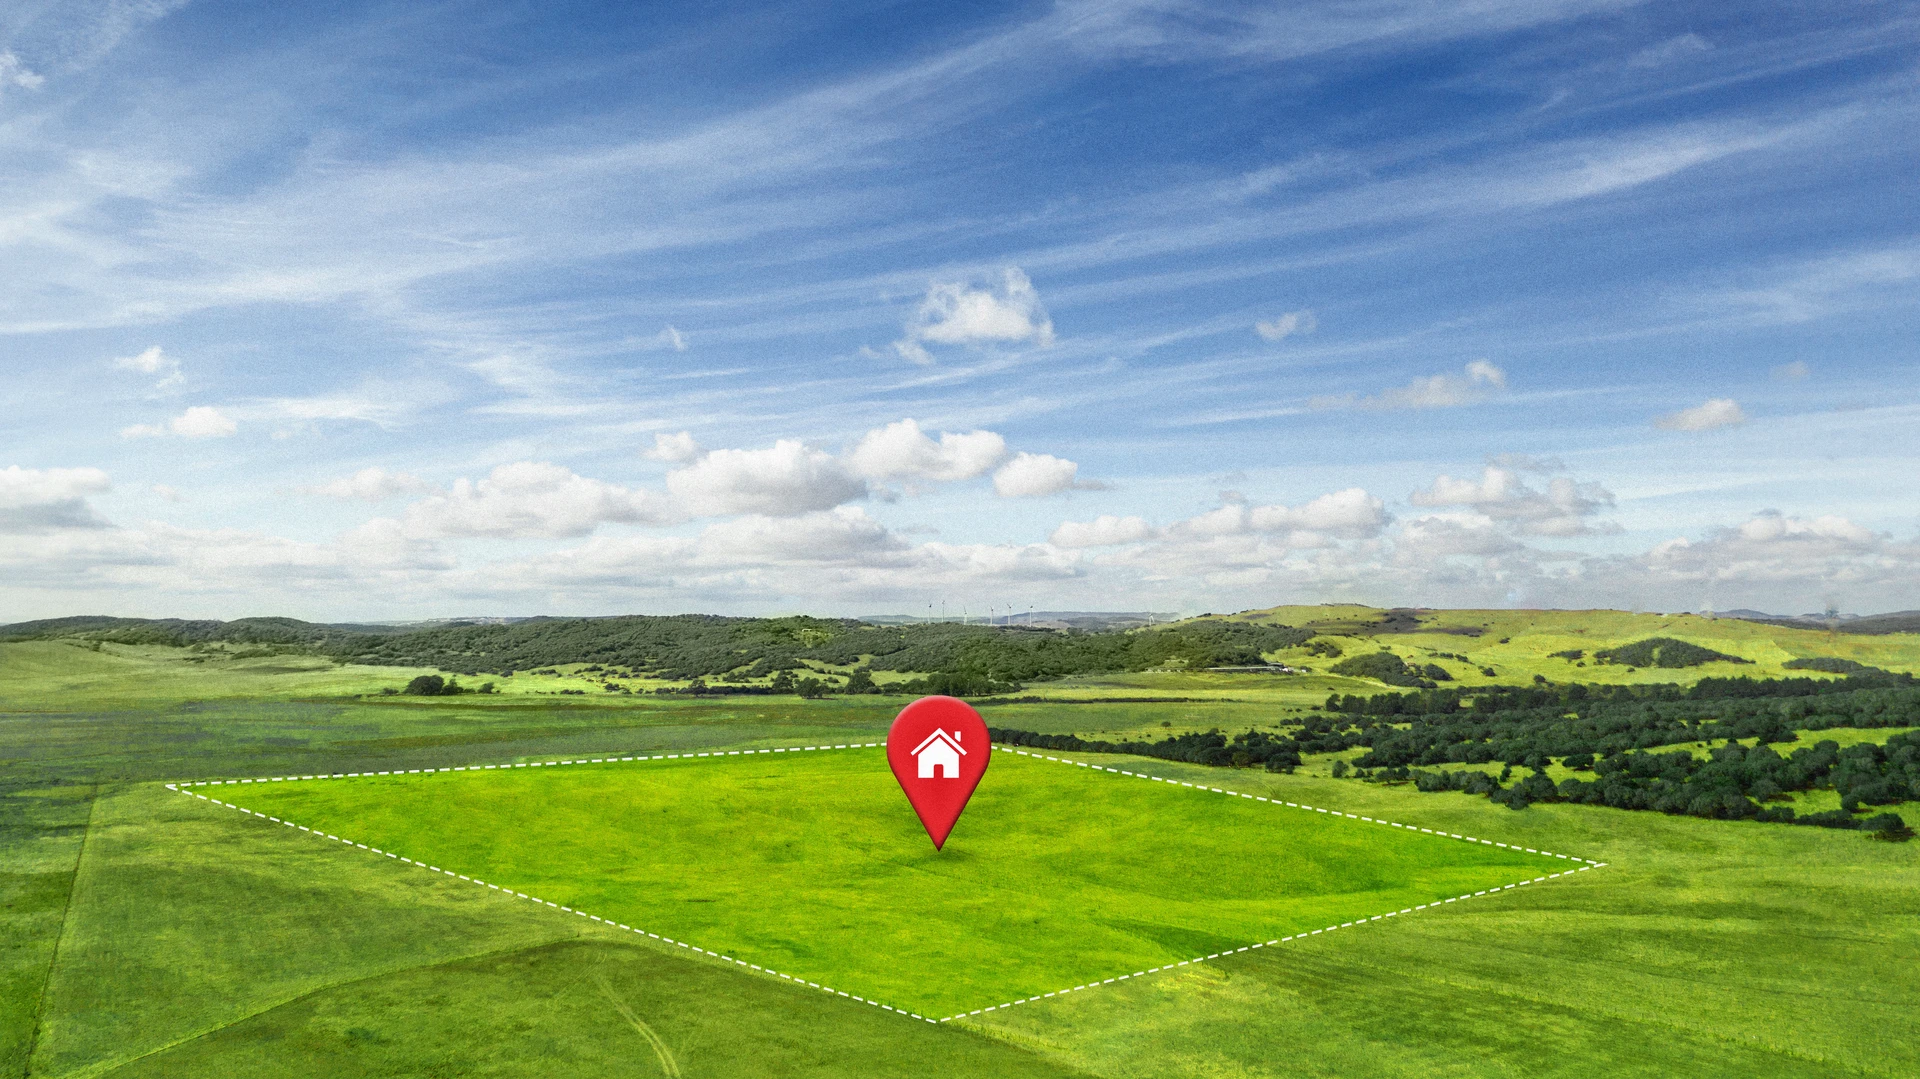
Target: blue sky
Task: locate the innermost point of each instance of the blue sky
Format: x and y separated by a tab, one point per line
391	311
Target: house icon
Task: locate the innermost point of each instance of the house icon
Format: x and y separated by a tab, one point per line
941	751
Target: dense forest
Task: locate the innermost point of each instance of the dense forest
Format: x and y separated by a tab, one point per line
708	647
1275	753
1609	731
970	659
183	632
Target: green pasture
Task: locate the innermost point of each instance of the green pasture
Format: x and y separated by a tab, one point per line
144	933
1517	645
813	865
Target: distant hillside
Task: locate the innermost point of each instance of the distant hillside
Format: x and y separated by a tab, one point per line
1894	622
180	632
1089	621
685	647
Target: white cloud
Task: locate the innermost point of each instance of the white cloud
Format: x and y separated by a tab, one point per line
1032	475
784	480
1348	514
154	361
1478	381
674	449
1103	531
15	73
168	494
1670	50
841	535
667	338
200	421
1287	325
532	499
1815	554
370	485
902	451
1426	540
39	499
1796	371
955	314
1716	413
1563	509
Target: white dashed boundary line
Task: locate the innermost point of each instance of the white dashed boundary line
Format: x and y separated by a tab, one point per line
183	788
1586	864
534	899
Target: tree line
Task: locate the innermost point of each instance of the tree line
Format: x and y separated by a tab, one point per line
1734	782
716	649
1275	753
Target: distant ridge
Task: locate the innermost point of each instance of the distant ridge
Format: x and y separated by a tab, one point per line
1893	622
1082	620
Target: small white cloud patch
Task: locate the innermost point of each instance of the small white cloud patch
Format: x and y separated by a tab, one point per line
1478	381
1033	475
200	421
154	361
1287	325
954	313
1714	414
674	449
370	485
15	73
902	451
1106	530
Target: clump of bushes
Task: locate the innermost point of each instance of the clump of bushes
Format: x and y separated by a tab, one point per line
432	685
1664	652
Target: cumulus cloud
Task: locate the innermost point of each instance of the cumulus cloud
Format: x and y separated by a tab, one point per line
1033	475
1287	325
1714	414
153	361
531	499
1426	540
1774	546
674	449
1103	531
1565	508
954	313
902	451
1348	514
370	485
785	480
200	421
1478	381
844	534
40	499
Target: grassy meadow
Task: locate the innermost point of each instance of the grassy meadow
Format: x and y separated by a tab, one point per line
146	933
813	865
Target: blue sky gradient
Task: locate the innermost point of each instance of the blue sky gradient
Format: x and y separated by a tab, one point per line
389	311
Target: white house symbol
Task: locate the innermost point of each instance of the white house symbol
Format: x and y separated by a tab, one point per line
940	751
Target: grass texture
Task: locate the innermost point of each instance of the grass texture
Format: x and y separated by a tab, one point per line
812	865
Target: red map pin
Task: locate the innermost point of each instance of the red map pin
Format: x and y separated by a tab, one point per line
938	749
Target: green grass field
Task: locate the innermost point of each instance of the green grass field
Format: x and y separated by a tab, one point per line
143	933
812	865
